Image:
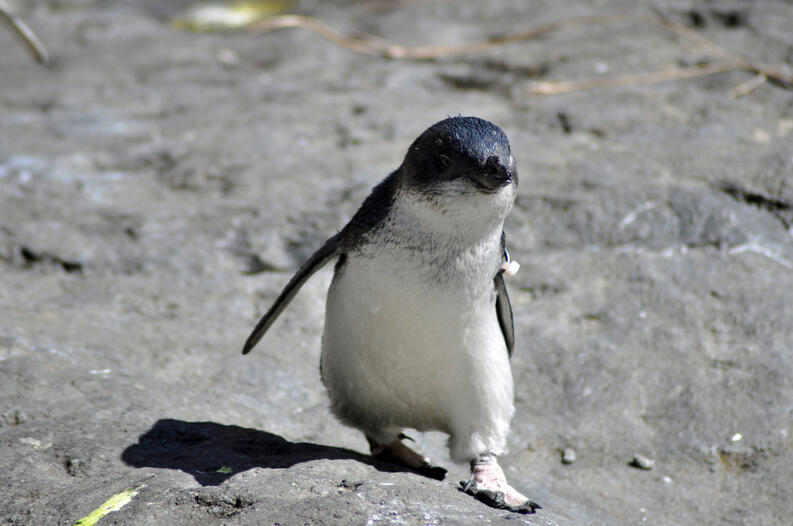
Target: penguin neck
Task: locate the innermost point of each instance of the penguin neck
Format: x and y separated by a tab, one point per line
463	221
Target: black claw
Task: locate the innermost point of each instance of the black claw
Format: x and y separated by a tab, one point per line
527	507
466	485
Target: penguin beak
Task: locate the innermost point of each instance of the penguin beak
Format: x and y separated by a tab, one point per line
494	175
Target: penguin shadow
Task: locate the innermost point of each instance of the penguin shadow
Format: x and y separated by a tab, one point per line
212	452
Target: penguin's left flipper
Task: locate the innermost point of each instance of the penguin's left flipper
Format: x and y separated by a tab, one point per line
504	312
503	306
330	250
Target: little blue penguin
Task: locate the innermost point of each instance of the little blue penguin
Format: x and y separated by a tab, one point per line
418	324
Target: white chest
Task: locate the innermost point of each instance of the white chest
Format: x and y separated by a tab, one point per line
398	342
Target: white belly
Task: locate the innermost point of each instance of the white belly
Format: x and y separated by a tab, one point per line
399	351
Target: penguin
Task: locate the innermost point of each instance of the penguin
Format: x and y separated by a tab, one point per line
418	323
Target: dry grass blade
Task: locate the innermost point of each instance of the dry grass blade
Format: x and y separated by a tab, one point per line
26	35
554	88
372	45
744	88
310	23
742	63
429	52
377	46
729	62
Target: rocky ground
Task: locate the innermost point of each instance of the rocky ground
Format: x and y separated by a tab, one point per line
159	185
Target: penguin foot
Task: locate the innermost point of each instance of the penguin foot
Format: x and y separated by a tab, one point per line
398	453
489	486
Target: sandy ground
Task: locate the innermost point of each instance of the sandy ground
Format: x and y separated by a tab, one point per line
158	187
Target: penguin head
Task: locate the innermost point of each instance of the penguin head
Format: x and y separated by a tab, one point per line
459	176
461	152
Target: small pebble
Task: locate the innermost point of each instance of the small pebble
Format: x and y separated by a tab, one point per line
228	57
568	455
642	462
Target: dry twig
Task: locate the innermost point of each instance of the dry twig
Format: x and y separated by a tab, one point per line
376	46
744	88
312	24
371	45
555	88
740	62
26	35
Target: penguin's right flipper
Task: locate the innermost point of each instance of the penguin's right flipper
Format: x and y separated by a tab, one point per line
330	250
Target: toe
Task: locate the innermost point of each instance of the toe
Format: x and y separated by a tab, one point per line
494	499
527	507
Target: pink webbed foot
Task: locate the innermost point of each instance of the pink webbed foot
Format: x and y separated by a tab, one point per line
489	485
398	453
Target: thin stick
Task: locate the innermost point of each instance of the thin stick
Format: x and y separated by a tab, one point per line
307	22
427	52
744	88
553	88
373	45
26	35
378	46
699	40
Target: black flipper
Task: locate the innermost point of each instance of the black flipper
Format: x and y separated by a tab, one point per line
503	306
329	250
372	211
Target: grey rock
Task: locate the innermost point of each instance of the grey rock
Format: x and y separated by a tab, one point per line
641	462
568	455
154	199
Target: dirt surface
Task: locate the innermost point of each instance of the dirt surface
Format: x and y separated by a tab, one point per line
158	187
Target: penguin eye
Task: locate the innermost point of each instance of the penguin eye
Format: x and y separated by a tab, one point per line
445	160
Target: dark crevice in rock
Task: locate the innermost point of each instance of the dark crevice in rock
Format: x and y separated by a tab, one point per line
781	209
564	122
32	257
731	18
529	72
477	81
492	76
725	17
